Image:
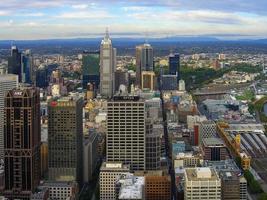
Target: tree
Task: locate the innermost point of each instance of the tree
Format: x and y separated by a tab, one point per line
263	196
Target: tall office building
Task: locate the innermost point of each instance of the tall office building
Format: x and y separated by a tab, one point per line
198	178
174	65
144	61
107	67
126	131
65	139
90	69
14	62
22	142
7	82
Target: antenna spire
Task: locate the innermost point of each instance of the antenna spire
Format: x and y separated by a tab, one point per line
107	33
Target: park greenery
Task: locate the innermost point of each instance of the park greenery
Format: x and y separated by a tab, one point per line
247	95
253	184
196	78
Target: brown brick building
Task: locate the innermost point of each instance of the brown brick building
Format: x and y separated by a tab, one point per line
158	187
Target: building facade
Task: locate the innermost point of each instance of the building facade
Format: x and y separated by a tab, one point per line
65	139
126	131
148	80
90	155
174	65
90	69
196	179
157	187
7	82
109	173
22	136
214	149
153	147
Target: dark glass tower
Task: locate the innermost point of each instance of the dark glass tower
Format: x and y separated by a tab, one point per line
22	142
90	69
174	65
14	62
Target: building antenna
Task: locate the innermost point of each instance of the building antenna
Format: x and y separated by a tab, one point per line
146	37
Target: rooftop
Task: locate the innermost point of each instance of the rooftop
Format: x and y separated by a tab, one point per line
131	187
201	174
213	142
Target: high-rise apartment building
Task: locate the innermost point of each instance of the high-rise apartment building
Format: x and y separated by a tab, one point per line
109	173
202	183
14	62
174	65
65	137
126	131
107	67
7	82
90	69
22	142
144	61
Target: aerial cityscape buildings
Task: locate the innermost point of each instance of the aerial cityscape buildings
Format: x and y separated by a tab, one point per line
133	118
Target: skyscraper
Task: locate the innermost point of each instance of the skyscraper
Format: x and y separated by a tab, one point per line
7	82
14	62
22	142
126	131
65	139
107	67
90	69
144	61
174	65
26	67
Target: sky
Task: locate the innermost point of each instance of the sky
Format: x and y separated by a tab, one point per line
52	19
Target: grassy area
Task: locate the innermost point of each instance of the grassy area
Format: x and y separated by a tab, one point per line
247	95
196	78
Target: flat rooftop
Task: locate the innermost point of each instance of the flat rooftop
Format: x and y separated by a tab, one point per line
213	142
201	174
132	188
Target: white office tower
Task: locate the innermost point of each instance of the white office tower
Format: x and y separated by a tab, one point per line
109	173
107	67
202	183
7	82
181	85
126	131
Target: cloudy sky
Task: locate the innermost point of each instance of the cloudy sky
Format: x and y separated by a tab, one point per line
43	19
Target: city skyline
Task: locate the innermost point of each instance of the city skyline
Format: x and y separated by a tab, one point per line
36	19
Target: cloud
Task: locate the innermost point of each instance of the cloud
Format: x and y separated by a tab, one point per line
38	14
85	15
80	6
4	13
